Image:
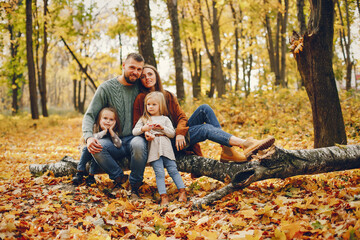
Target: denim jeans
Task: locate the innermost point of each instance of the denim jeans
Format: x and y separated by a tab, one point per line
84	159
135	148
170	165
204	125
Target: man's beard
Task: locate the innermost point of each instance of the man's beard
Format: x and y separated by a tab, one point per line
127	79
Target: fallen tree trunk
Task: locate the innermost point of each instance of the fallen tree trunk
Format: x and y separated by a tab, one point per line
274	162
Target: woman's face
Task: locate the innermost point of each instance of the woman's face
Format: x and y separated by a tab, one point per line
148	79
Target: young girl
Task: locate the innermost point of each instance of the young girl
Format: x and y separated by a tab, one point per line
157	129
107	125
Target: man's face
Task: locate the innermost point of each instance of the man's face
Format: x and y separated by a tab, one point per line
132	70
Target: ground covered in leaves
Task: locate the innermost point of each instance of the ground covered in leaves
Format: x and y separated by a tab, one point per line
323	206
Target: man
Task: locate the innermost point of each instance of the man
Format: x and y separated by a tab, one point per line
119	93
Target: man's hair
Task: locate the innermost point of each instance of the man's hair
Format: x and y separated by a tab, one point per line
136	56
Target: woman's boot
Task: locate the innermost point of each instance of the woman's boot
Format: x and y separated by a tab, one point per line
230	154
252	146
182	195
164	199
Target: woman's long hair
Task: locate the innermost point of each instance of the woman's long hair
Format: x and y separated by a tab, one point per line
159	97
117	128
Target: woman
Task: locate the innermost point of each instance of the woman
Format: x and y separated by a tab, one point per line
202	124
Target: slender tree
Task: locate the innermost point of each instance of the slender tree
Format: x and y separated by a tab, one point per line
313	53
175	30
30	62
345	41
143	20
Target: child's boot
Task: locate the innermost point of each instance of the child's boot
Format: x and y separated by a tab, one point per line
182	195
164	199
79	178
230	154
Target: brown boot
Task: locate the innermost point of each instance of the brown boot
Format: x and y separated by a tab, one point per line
182	195
164	199
252	146
230	154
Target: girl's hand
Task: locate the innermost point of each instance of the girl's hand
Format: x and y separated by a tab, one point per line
158	127
149	136
103	127
180	142
111	129
147	127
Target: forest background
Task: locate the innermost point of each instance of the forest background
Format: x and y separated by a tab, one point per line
84	43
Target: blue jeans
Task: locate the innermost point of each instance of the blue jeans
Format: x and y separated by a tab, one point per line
170	165
204	125
135	148
84	159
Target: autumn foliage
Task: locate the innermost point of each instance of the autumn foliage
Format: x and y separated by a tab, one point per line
323	206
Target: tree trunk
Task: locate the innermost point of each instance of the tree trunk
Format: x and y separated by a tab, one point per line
30	62
272	163
42	79
236	35
175	30
14	46
302	26
218	71
143	20
284	47
315	66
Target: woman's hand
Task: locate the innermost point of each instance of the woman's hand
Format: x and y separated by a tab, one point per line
180	142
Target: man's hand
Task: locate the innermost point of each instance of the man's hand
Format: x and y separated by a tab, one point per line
180	142
93	145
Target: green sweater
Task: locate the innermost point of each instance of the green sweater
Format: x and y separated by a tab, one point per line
111	93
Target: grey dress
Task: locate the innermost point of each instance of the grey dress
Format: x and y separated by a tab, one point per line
161	145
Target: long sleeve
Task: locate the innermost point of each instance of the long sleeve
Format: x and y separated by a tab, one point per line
137	129
178	116
116	141
168	130
138	108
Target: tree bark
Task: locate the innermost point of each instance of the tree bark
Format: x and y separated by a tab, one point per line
42	79
274	162
30	62
175	30
143	20
315	66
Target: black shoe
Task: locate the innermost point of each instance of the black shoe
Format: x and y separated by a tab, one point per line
119	181
90	180
78	178
135	190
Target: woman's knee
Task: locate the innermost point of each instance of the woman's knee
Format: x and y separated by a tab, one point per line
205	108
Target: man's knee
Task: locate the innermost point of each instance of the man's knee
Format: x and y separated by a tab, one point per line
139	147
205	107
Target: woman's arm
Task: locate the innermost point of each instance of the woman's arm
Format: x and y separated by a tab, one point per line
138	107
178	116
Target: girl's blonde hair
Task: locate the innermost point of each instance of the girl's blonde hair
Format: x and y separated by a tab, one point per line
159	97
117	128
